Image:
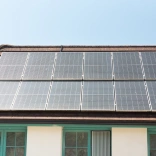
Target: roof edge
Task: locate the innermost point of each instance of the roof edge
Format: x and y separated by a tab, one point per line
72	117
75	48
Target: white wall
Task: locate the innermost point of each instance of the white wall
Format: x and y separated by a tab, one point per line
129	142
44	141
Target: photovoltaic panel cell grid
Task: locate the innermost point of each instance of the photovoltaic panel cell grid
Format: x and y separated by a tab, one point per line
32	95
98	96
11	65
127	66
7	93
65	96
131	96
39	66
68	66
149	64
97	66
13	58
152	93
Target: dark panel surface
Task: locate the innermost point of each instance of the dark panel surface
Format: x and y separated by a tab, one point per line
152	93
68	66
39	66
149	64
65	96
12	65
131	96
127	66
97	66
98	96
7	93
13	58
32	96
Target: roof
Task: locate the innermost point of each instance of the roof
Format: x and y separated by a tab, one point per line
143	81
82	48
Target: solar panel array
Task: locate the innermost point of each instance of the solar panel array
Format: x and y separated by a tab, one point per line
98	66
68	66
131	96
32	95
12	65
39	66
152	93
149	64
86	81
127	66
65	96
98	95
7	93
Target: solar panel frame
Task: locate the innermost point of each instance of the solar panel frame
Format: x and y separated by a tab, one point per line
98	96
98	66
151	87
40	66
127	66
149	65
12	65
65	95
131	96
69	66
32	95
8	91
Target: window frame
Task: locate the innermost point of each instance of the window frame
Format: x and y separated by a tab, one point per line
1	141
4	131
89	130
148	139
89	141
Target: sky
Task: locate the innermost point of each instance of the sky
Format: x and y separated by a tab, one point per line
78	22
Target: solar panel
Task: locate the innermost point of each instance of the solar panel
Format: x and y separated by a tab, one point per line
65	96
152	93
7	93
127	66
11	65
98	96
32	95
149	64
97	66
68	66
131	96
39	66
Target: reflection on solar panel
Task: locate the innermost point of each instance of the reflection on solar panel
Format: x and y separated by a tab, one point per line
68	66
152	93
149	64
97	66
40	66
7	93
32	95
11	65
127	66
98	96
65	96
131	96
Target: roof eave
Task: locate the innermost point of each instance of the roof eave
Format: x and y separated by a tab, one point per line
73	117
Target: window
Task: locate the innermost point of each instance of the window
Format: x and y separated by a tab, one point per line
0	143
76	143
12	143
86	143
152	143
